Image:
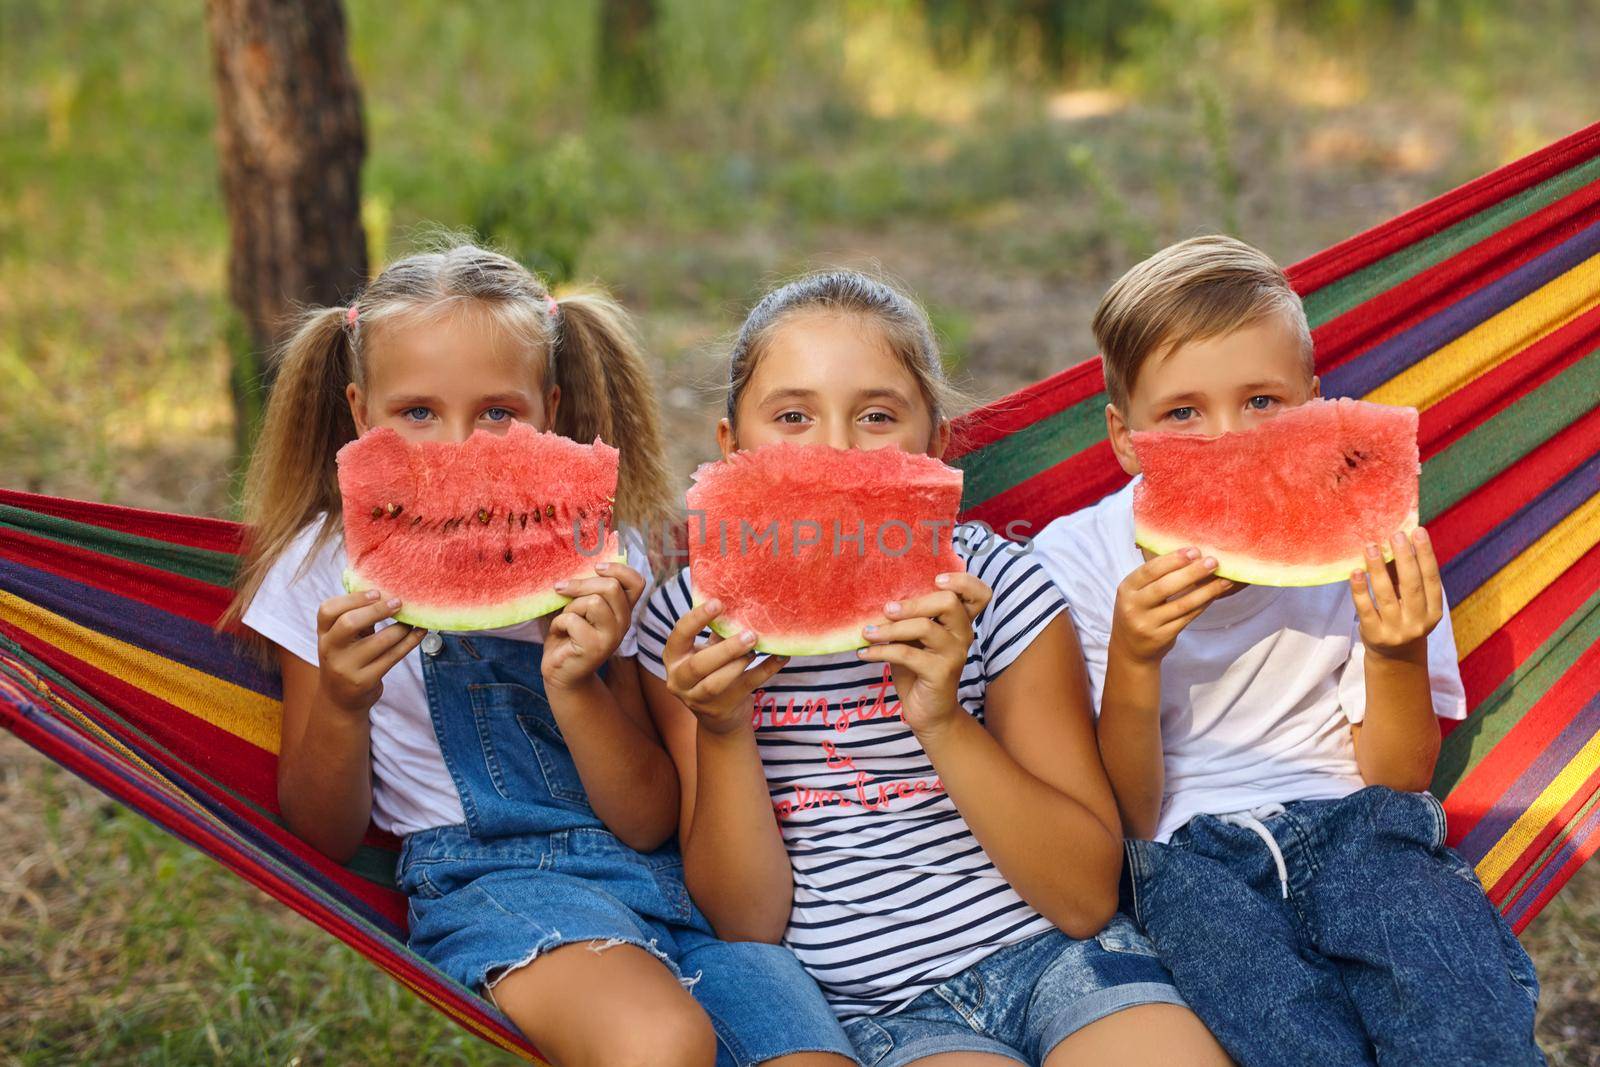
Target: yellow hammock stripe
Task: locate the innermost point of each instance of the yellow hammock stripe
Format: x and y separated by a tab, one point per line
1492	604
1539	814
1495	340
245	714
464	1020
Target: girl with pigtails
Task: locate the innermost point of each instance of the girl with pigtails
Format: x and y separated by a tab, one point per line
566	906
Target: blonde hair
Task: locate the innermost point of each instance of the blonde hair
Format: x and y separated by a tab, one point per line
1196	289
585	341
902	320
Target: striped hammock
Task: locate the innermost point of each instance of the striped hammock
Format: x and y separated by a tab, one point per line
1480	308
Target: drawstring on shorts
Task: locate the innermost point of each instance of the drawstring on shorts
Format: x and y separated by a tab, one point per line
1251	820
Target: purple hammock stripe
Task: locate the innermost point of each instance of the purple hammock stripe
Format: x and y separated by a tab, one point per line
1471	568
1533	781
249	827
170	636
250	839
1378	364
1575	838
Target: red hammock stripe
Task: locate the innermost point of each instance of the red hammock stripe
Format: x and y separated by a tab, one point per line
175	594
1550	734
1486	396
1502	892
1583	844
994	422
1385	239
213	535
1402	307
196	755
1494	661
1076	482
125	785
1479	512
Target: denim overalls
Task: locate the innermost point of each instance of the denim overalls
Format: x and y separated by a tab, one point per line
533	867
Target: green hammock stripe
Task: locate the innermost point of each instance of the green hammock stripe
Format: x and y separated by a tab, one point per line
1336	298
374	864
1502	709
1448	477
1557	843
1510	435
1031	450
201	564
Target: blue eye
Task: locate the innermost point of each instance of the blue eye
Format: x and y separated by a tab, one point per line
1181	414
497	414
1260	403
418	414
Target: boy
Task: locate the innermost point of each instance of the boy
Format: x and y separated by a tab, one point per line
1283	853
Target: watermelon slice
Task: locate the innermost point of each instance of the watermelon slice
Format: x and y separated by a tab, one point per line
804	544
1294	501
474	535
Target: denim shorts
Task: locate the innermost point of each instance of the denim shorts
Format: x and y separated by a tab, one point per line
482	908
533	867
1337	931
1021	1001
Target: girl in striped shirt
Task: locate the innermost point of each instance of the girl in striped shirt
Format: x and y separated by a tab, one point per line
925	822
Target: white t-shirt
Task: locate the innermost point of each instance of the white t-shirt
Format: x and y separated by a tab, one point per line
1257	695
411	788
892	893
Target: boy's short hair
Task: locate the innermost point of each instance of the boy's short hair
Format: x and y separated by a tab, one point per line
1195	289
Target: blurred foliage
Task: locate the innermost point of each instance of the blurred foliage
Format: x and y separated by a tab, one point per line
1004	157
1058	137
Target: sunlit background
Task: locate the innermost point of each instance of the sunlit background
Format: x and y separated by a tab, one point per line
1004	158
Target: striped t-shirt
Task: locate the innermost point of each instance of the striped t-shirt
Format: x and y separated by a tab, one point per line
892	893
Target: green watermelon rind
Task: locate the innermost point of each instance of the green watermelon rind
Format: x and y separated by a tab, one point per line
456	618
1239	567
828	643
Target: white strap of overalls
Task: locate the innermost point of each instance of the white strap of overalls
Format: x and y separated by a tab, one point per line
1251	820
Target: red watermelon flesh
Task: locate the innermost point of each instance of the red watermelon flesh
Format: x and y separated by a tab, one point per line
474	535
1293	501
810	587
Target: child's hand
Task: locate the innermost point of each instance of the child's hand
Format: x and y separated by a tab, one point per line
926	643
1158	599
588	630
1399	612
715	681
351	658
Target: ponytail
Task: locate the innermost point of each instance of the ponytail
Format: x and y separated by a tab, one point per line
587	346
293	478
606	392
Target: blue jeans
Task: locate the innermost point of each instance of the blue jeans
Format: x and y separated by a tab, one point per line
1371	943
533	868
1021	1001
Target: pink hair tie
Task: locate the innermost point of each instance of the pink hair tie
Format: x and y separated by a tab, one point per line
551	306
350	316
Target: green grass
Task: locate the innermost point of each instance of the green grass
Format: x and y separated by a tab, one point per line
118	944
1005	183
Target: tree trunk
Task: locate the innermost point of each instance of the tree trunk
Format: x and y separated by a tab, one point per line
290	143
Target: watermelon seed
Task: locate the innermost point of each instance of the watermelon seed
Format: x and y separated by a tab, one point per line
416	520
582	514
549	511
524	518
536	517
508	555
377	512
395	509
483	516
